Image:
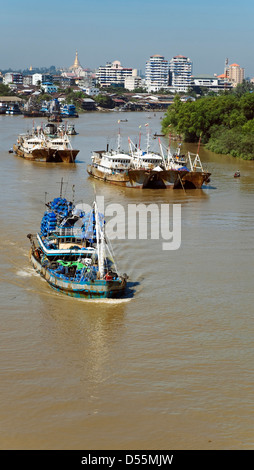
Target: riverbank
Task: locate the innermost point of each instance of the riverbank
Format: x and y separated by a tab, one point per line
225	124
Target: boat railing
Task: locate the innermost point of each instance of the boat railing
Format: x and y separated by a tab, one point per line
195	162
76	232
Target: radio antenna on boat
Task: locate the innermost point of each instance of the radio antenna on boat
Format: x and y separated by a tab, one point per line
73	193
61	187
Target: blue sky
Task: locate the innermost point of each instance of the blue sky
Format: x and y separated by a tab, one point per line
49	32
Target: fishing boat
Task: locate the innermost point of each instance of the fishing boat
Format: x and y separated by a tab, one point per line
32	146
188	169
71	129
61	149
143	168
13	109
69	110
41	146
237	174
72	252
133	169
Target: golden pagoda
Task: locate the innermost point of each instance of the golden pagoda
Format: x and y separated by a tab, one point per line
76	64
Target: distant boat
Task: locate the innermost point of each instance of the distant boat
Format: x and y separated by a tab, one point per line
68	110
237	174
71	252
71	129
55	117
13	109
155	135
33	113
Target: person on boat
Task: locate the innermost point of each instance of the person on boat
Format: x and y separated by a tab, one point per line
108	276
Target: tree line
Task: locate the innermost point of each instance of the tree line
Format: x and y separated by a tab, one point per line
225	123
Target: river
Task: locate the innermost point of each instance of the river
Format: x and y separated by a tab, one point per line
168	367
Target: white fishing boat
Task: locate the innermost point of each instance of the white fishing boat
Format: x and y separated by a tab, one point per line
42	146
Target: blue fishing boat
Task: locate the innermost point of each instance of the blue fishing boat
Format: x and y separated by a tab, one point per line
72	252
69	110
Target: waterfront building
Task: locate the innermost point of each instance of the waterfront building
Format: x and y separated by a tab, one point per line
180	74
157	73
112	74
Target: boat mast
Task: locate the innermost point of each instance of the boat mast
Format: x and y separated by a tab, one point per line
100	243
118	141
148	138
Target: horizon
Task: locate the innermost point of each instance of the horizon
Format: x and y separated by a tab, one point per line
105	31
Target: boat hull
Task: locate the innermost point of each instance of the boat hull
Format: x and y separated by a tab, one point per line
47	155
89	289
152	179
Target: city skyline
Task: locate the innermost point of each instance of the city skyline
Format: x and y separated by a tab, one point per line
104	31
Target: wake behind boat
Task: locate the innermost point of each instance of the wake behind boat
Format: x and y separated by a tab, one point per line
72	253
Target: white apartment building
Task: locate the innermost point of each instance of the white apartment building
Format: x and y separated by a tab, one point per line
112	74
90	91
133	81
211	82
41	78
156	76
180	73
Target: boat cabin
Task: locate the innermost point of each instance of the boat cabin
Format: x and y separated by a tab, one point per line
111	162
146	160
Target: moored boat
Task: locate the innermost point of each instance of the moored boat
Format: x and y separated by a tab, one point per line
146	169
189	169
41	146
72	252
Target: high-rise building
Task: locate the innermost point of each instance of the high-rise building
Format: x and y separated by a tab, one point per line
180	73
234	73
156	76
112	74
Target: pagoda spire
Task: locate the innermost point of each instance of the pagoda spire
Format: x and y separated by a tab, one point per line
76	64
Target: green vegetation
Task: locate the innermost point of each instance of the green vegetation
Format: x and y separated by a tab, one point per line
104	101
225	123
5	90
